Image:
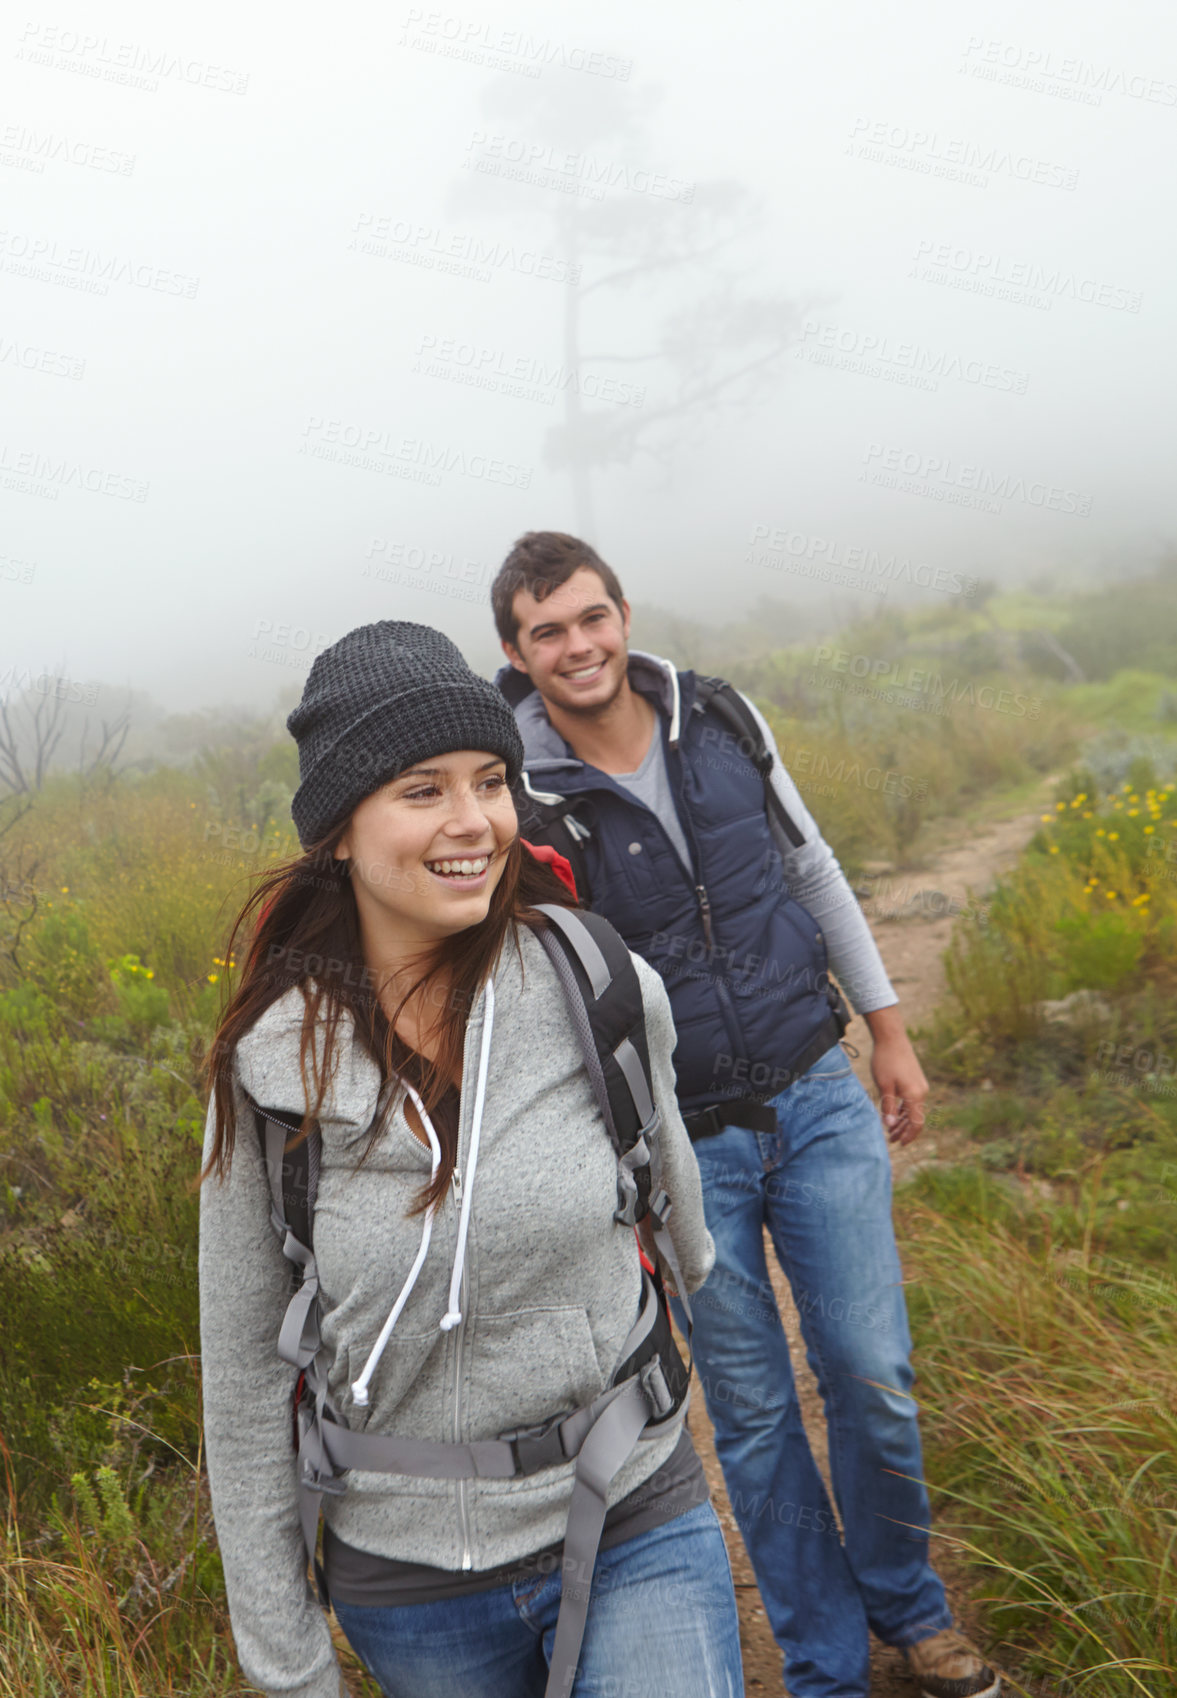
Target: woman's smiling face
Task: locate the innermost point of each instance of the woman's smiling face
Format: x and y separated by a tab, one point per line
428	849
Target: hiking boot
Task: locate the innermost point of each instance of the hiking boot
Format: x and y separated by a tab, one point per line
946	1666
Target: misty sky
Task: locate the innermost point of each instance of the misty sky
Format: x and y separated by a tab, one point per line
252	258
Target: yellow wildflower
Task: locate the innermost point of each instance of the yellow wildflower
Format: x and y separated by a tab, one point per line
213	977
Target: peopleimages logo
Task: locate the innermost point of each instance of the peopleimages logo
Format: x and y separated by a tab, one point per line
842	348
555	167
31	473
43	360
457	253
504	49
371	449
776	547
124	62
943	478
1021	281
526	377
33	149
954	157
880	678
49	261
1036	68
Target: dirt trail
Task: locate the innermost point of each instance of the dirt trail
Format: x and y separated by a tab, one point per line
911	914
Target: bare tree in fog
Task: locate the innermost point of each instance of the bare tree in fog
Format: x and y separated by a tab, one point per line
33	726
661	292
30	730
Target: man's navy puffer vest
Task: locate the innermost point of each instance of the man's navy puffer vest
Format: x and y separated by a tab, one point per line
747	1007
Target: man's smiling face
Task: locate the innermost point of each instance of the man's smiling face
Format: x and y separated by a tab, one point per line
572	644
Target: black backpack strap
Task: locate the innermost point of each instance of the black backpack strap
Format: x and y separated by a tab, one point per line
293	1173
551	819
293	1176
604	996
726	702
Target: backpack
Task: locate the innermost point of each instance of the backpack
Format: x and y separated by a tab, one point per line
603	992
556	816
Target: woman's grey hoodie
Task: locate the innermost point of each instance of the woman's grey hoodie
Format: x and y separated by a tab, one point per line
551	1285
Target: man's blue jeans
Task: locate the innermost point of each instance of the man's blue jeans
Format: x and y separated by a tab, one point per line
822	1185
662	1623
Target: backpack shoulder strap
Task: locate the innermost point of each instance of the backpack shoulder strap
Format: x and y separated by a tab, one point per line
726	702
293	1173
604	996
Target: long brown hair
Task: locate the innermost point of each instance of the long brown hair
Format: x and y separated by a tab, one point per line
307	933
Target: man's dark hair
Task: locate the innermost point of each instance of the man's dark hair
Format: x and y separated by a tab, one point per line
539	563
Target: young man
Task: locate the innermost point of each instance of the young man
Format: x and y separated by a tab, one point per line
743	910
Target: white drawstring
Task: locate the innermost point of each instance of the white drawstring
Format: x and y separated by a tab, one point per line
453	1315
359	1388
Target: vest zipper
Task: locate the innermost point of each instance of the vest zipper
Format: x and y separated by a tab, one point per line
705	915
727	1007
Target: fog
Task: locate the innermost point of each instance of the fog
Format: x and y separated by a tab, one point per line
309	315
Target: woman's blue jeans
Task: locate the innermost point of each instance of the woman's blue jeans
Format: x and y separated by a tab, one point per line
821	1184
662	1623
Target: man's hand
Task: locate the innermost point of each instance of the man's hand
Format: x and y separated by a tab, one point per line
898	1075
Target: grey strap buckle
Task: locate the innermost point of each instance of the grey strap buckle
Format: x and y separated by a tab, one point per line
316	1470
638	1155
332	1485
627	1198
653	1383
538	1447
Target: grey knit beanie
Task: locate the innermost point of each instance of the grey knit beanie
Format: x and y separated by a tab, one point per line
378	700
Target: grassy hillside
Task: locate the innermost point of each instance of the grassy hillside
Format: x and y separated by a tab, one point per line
1051	1249
1043	1265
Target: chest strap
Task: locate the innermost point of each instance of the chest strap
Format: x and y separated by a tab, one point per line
600	1436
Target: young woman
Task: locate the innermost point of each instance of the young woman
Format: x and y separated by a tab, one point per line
469	1279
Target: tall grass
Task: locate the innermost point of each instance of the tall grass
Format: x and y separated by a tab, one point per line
1050	1420
1044	1273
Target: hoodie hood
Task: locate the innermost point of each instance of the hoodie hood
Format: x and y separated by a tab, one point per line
268	1068
544	750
